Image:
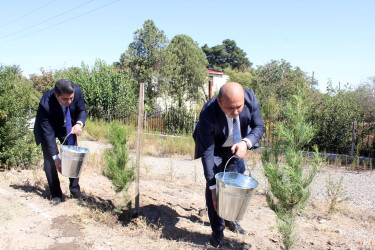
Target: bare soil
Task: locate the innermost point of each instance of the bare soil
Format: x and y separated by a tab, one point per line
170	214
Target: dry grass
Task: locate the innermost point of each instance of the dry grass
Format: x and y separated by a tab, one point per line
153	144
96	163
140	227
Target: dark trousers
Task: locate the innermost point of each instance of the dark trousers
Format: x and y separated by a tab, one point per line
217	223
53	177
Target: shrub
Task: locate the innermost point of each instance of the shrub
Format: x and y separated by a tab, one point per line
17	145
108	93
333	117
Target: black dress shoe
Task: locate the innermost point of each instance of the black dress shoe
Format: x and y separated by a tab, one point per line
79	196
56	201
217	239
235	227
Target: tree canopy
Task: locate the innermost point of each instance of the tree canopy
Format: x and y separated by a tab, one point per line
279	79
145	56
226	55
365	98
185	71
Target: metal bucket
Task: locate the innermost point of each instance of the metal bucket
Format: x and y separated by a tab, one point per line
233	191
72	158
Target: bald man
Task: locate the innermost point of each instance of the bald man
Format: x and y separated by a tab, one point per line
214	142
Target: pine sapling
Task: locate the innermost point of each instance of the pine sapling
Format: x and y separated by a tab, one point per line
288	181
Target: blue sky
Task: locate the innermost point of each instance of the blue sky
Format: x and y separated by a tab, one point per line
334	39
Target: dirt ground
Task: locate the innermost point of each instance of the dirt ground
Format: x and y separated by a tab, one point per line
171	198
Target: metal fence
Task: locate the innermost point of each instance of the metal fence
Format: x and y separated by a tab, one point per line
172	121
169	121
361	138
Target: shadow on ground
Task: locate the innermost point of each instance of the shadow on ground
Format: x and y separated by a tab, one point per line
161	216
32	189
167	218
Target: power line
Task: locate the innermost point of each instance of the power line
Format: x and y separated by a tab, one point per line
28	13
75	17
46	20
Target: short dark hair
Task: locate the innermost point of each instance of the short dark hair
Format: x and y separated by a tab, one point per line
64	86
220	95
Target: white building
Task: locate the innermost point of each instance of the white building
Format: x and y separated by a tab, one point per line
216	79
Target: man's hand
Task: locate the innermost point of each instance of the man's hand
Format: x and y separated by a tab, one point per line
214	198
239	149
58	164
77	129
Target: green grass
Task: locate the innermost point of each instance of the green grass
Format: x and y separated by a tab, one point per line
97	130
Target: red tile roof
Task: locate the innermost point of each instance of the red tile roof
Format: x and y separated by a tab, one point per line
214	72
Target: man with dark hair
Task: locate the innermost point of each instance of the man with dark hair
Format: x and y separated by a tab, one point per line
61	113
229	124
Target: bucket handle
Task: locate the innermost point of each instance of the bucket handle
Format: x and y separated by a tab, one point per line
247	167
67	137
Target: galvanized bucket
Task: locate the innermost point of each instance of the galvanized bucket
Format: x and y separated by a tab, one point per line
72	158
233	191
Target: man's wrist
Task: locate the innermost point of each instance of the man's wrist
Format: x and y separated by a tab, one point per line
248	143
80	123
55	157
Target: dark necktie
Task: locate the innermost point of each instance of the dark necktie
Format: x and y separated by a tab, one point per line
68	124
236	139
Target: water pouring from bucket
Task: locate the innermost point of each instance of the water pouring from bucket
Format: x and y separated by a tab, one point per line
233	191
72	159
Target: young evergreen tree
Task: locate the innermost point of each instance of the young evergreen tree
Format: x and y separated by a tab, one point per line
283	166
118	169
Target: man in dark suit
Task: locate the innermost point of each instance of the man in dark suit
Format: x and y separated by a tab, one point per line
61	111
234	113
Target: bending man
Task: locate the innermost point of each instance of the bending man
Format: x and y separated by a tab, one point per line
61	111
229	124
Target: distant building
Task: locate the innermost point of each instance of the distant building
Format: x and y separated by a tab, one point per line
216	79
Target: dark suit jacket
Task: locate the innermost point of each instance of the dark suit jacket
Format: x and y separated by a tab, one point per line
212	131
49	122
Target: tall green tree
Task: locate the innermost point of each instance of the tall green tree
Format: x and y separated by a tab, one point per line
279	79
364	97
333	115
245	78
185	72
43	83
226	55
145	57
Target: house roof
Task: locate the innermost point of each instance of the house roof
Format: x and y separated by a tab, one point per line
214	72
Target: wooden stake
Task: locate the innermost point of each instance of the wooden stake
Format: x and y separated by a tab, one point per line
139	146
